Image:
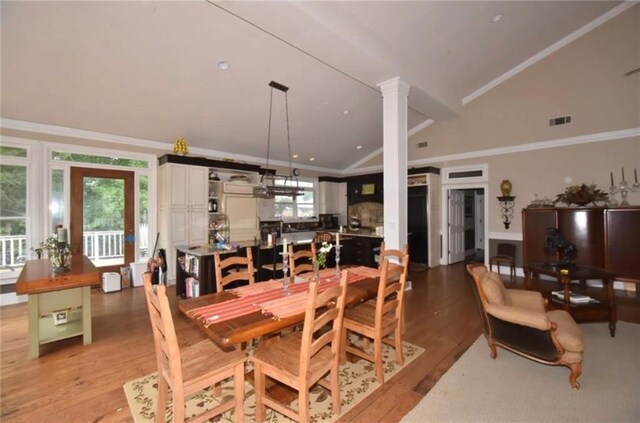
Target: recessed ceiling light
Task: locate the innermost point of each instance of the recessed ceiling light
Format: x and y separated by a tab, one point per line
346	112
359	147
295	156
222	65
496	18
311	159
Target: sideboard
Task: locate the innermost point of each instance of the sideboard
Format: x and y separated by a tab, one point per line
607	238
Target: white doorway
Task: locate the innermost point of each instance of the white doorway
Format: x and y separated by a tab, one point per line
464	214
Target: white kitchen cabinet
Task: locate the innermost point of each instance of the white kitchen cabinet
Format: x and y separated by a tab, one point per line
183	213
332	197
242	212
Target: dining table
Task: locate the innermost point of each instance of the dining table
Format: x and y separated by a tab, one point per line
238	315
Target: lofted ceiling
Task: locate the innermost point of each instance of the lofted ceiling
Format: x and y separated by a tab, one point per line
149	69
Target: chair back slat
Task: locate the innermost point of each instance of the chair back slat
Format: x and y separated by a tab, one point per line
164	334
246	274
323	309
302	260
390	299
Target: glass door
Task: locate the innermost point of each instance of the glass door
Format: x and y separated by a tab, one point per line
102	216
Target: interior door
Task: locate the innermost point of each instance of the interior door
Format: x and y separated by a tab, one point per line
456	226
102	216
417	224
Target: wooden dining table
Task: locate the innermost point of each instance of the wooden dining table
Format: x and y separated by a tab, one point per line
226	334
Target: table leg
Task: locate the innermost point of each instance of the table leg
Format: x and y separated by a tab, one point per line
613	314
86	315
34	326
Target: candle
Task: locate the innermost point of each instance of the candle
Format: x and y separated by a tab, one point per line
284	246
62	235
611	178
623	174
338	240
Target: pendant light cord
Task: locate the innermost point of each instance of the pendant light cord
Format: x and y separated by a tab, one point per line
266	171
286	111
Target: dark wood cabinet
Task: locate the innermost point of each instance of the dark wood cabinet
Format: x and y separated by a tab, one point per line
607	238
357	187
359	250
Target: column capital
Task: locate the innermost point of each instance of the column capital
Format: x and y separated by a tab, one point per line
394	85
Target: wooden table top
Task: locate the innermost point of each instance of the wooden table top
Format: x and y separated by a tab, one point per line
228	333
576	272
37	276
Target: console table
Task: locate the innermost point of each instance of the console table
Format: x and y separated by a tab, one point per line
603	309
51	291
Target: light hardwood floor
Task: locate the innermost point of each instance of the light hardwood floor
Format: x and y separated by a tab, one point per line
75	383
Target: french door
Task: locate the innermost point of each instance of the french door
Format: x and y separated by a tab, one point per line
102	216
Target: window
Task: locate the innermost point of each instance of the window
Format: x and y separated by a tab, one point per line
13	207
302	207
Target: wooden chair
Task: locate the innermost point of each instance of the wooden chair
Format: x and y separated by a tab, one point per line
194	368
296	266
246	273
322	237
378	320
395	268
517	320
506	256
302	359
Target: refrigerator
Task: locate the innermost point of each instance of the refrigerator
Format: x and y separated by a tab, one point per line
417	231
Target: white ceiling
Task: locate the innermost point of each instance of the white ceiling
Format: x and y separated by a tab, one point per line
149	70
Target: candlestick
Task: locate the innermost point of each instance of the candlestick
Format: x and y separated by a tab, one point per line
284	246
285	272
338	240
62	235
611	178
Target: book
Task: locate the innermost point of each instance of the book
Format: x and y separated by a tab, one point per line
573	297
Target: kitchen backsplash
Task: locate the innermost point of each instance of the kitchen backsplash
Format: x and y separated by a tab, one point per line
370	214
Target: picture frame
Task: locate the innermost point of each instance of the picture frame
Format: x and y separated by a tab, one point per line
368	189
60	317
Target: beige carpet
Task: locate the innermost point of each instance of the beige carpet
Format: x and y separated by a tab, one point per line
357	381
514	389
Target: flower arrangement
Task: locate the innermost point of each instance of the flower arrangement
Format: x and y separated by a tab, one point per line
57	251
322	254
582	195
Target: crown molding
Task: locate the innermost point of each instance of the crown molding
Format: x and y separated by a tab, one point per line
540	145
551	49
64	131
420	127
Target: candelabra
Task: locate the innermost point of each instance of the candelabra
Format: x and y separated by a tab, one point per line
338	261
285	272
624	188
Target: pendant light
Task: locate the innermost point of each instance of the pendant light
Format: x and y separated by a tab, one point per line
272	184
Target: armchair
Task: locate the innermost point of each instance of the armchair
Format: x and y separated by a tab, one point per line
517	320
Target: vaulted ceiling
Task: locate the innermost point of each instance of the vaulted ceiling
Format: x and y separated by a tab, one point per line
151	69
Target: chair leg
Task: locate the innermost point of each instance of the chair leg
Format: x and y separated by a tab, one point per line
398	340
576	371
259	386
303	404
178	408
335	390
163	393
343	346
494	351
238	384
377	358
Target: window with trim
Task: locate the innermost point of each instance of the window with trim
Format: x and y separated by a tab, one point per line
13	207
300	207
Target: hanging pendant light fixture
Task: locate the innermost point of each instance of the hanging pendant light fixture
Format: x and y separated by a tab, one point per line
272	184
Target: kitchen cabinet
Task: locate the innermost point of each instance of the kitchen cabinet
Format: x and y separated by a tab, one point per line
358	250
241	208
365	188
183	194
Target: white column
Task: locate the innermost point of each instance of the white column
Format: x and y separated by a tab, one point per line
394	95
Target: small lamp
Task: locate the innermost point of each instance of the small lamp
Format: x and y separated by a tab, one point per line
507	202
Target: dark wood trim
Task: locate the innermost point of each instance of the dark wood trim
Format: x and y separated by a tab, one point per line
331	179
202	161
419	170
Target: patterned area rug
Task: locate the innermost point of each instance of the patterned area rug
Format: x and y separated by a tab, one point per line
357	381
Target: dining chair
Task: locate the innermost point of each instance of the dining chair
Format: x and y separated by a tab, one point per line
378	320
192	369
506	256
302	359
395	268
321	237
245	273
302	260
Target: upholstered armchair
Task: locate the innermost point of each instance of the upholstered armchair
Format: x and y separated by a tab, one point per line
517	320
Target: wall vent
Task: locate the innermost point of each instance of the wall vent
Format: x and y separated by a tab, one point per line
422	144
559	120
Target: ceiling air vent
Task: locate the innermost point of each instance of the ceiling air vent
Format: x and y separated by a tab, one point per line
422	144
559	121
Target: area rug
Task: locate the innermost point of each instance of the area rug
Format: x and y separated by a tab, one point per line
514	389
357	381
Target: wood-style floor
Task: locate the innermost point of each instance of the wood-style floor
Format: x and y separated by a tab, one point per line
75	383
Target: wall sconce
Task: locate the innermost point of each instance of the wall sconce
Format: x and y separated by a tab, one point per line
506	203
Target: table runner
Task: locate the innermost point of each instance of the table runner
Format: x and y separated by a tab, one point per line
271	294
